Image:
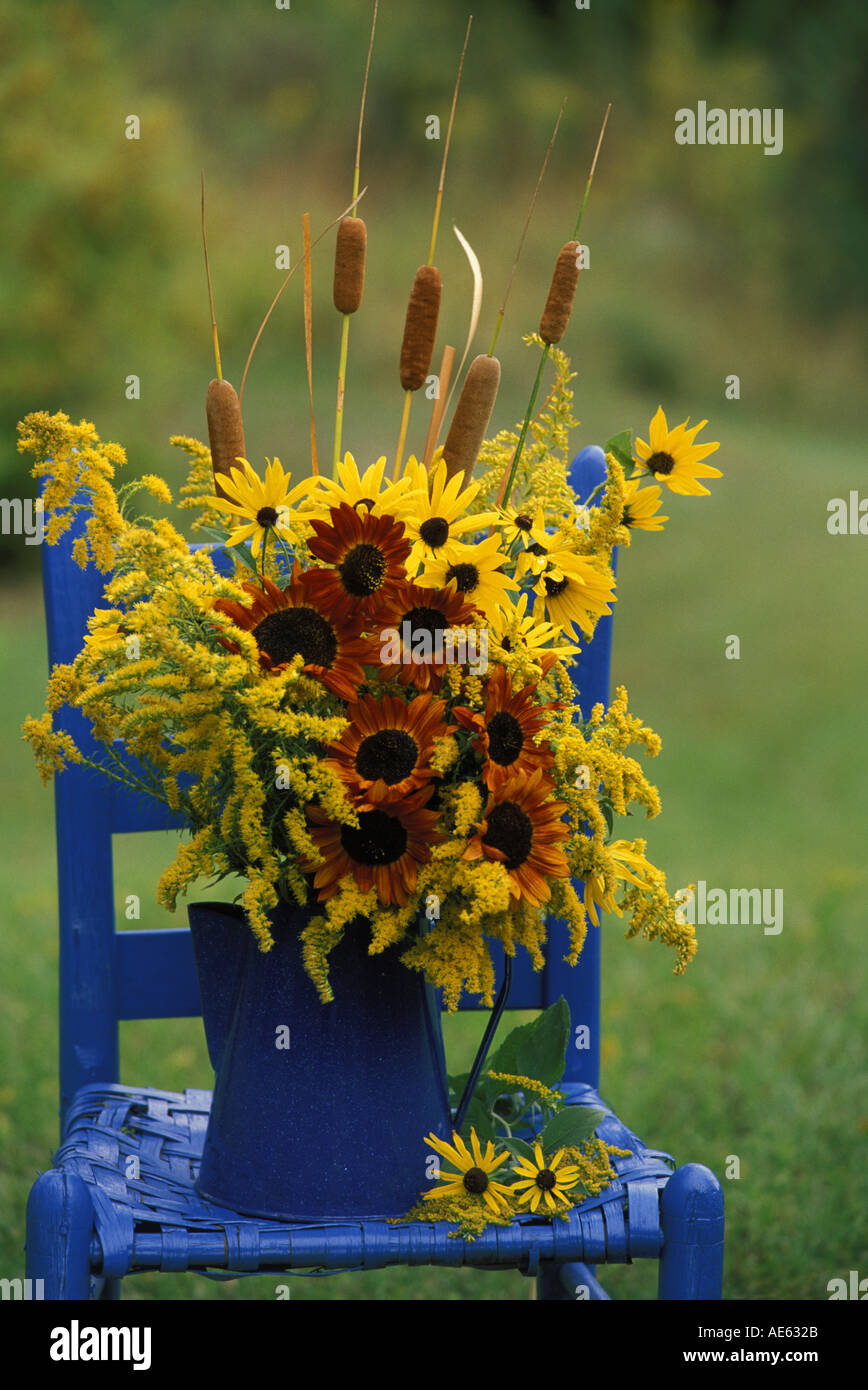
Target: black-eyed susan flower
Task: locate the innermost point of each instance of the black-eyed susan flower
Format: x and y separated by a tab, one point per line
414	624
674	459
522	829
641	505
287	623
385	754
366	491
515	630
262	505
474	1169
382	852
574	591
476	571
367	551
521	526
544	1180
506	731
443	513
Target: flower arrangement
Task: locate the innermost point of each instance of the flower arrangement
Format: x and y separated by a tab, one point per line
356	693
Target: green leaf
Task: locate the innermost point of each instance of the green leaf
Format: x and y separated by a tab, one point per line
477	1118
456	1085
518	1148
572	1125
536	1049
621	445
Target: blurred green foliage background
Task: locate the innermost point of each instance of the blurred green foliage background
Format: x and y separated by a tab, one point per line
704	261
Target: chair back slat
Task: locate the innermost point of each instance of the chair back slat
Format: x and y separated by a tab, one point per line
106	975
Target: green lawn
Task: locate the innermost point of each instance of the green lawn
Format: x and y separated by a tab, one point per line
758	1052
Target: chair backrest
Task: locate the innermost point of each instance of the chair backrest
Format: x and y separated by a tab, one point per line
106	975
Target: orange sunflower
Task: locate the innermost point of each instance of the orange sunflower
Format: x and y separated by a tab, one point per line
367	551
521	829
289	622
413	626
384	755
506	731
381	852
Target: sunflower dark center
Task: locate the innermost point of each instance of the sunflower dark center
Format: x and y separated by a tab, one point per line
266	516
523	522
378	838
293	632
626	517
537	549
422	619
434	531
506	643
660	463
364	502
546	1179
389	753
362	570
466	577
554	587
505	738
475	1180
510	830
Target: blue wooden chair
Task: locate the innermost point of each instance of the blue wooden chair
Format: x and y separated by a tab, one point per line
120	1197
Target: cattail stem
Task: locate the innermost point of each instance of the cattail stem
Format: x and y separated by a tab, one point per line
591	174
339	408
402	437
215	339
438	406
439	199
308	333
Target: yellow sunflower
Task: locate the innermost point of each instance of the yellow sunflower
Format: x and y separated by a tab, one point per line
627	865
262	505
674	459
641	505
574	591
477	573
515	630
474	1171
442	514
368	491
544	1179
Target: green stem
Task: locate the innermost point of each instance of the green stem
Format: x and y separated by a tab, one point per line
525	426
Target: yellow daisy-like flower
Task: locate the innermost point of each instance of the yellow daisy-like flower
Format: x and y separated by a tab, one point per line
518	525
263	505
574	590
368	491
516	630
628	866
544	1179
474	1171
674	459
641	505
442	514
477	573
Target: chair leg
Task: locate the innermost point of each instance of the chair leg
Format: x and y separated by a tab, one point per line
691	1215
566	1283
59	1229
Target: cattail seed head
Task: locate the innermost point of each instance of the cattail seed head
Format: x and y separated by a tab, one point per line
471	417
562	291
225	430
420	327
350	254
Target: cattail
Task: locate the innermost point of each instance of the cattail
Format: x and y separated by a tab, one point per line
420	327
350	264
225	430
562	291
471	417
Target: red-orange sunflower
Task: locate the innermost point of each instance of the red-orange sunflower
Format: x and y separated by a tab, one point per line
411	627
367	551
521	829
381	852
506	731
289	622
385	753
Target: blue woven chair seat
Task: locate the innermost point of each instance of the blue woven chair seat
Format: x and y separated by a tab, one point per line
149	1216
